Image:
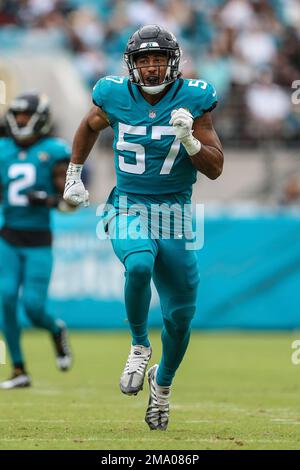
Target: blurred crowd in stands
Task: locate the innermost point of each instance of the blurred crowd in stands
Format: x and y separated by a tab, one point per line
249	49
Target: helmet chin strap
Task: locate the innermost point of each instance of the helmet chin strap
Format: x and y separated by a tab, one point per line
154	90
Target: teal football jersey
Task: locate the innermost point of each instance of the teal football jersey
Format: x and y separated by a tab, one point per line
148	157
28	169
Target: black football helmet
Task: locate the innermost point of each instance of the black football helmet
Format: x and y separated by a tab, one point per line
153	38
39	124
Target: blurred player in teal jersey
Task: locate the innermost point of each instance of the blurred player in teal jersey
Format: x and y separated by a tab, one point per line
32	178
163	134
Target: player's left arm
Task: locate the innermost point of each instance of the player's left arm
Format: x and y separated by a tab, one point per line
210	158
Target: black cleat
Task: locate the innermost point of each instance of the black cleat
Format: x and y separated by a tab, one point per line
157	414
62	348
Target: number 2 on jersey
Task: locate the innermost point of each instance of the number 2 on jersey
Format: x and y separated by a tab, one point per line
26	174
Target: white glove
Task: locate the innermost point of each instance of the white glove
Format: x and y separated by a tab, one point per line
182	121
75	192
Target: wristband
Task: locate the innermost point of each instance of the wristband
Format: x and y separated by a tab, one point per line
191	145
74	170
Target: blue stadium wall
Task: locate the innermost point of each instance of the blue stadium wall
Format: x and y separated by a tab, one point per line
249	273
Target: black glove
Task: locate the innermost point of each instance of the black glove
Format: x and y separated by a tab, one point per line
41	198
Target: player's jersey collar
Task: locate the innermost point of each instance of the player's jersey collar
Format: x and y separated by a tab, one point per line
168	96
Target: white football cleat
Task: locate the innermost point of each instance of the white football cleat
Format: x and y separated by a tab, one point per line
157	414
64	362
16	381
132	378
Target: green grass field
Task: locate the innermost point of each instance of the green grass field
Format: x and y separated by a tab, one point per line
233	391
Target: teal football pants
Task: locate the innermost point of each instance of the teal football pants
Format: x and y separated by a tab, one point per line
175	273
30	270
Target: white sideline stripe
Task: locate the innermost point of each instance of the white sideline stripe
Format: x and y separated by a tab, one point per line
285	421
108	421
77	405
282	419
80	440
268	414
34	420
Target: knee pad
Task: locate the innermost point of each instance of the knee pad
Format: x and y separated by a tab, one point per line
139	268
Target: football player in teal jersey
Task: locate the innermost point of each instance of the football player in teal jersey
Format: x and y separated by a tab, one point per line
32	178
163	135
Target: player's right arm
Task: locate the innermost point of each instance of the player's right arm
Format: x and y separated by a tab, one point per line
87	134
84	140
